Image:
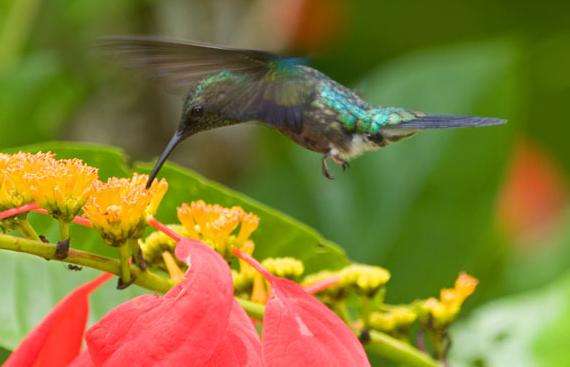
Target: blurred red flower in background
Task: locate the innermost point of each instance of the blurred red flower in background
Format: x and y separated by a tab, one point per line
534	194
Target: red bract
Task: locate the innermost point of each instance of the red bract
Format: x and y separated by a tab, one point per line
298	330
182	328
241	345
56	341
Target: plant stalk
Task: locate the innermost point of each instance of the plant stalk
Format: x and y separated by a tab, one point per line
397	350
145	279
63	230
27	230
125	262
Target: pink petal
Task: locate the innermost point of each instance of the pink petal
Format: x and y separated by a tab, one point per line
82	360
241	346
56	341
183	327
298	330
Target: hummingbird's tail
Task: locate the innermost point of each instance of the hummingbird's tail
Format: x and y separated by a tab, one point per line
444	122
396	132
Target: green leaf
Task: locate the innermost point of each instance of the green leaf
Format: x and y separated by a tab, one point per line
526	330
4	354
32	286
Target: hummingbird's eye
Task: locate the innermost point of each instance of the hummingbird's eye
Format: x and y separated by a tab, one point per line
197	111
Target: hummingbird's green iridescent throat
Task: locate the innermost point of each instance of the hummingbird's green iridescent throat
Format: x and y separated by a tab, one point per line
227	86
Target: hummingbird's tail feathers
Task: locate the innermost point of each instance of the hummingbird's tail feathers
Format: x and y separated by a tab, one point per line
444	122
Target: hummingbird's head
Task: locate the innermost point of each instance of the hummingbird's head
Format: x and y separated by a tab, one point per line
193	120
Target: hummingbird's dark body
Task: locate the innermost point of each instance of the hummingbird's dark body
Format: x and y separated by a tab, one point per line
230	86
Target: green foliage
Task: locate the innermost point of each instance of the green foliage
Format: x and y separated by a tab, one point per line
35	100
4	354
32	286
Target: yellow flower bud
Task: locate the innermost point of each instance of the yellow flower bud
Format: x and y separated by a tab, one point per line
286	267
441	312
157	242
399	317
366	278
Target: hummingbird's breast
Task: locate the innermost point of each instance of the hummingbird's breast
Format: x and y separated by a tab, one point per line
330	119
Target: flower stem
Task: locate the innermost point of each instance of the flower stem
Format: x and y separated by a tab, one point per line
27	230
253	309
125	264
176	274
63	230
12	212
397	350
145	279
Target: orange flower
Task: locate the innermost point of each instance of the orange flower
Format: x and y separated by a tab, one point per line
444	310
118	208
64	187
216	225
18	174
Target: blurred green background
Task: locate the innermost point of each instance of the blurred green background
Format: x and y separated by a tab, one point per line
492	201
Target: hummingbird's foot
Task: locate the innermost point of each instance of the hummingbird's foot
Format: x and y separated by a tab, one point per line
345	165
325	167
341	162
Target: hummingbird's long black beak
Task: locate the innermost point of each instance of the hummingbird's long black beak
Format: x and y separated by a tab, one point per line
177	138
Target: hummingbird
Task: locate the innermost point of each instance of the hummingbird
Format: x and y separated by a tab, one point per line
227	86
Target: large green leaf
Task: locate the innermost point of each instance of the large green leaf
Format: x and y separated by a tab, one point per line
423	208
32	286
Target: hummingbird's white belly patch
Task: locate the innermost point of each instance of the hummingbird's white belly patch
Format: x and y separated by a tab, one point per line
358	145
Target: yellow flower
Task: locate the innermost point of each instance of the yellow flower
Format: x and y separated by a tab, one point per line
118	208
64	187
157	242
286	267
398	317
365	278
443	311
218	226
19	173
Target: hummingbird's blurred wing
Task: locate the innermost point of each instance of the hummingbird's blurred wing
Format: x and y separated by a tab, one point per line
275	90
183	63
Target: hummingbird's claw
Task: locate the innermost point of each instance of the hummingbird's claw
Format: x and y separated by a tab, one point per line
345	165
325	167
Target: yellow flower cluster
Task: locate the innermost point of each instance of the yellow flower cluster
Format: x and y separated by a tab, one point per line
157	242
443	311
365	278
118	208
396	318
285	267
60	186
218	226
